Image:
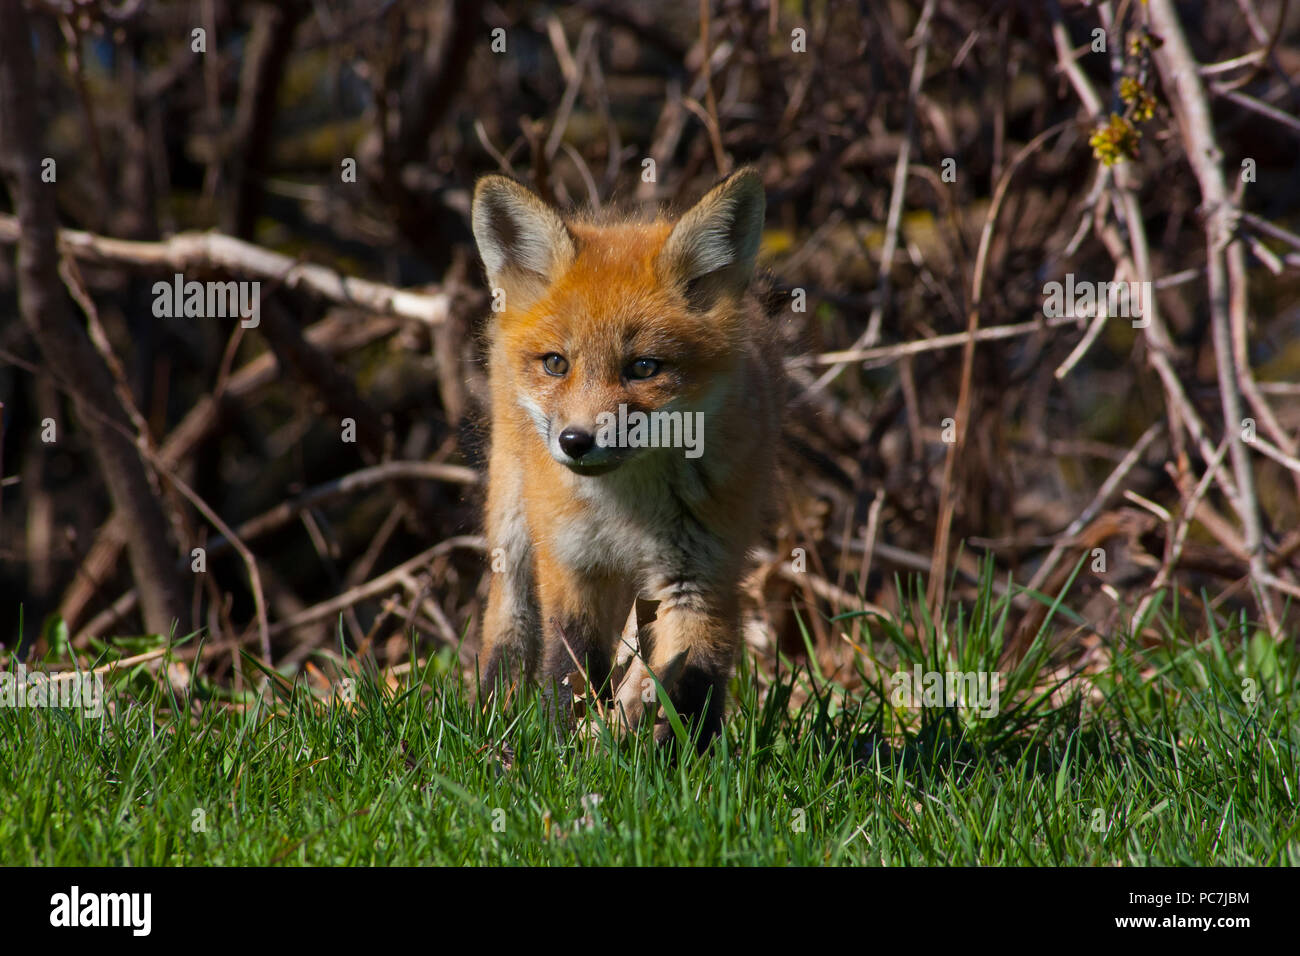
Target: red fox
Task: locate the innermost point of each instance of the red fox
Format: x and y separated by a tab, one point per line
636	397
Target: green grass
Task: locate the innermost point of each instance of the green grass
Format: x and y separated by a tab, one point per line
1182	754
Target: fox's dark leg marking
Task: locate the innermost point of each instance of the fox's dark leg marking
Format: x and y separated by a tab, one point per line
700	698
504	667
592	659
511	629
574	645
582	616
699	619
513	638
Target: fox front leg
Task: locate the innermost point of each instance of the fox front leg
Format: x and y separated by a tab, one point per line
694	640
511	634
580	611
511	631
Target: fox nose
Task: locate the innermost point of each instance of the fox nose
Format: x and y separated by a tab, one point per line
575	442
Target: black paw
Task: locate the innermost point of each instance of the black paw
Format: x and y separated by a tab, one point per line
700	697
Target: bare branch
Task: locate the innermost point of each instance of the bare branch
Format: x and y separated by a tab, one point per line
197	250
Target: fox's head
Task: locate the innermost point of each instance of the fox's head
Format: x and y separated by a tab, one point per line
591	317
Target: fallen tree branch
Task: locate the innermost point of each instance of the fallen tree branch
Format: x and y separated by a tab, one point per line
198	250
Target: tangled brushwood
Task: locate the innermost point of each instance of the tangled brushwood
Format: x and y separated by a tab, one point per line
1034	270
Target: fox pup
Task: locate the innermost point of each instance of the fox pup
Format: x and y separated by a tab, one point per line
636	399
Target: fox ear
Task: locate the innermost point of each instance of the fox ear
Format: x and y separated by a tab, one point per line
711	250
524	243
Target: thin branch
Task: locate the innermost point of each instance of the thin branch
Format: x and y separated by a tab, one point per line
711	104
163	468
377	585
935	588
197	250
71	360
1066	538
871	335
1178	72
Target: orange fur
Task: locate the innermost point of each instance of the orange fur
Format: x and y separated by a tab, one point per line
575	539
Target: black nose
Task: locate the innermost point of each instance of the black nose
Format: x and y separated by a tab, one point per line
576	442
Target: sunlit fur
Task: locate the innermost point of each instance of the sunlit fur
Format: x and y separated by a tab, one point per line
576	543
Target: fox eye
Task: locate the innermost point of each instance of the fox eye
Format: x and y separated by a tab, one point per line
643	368
555	364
